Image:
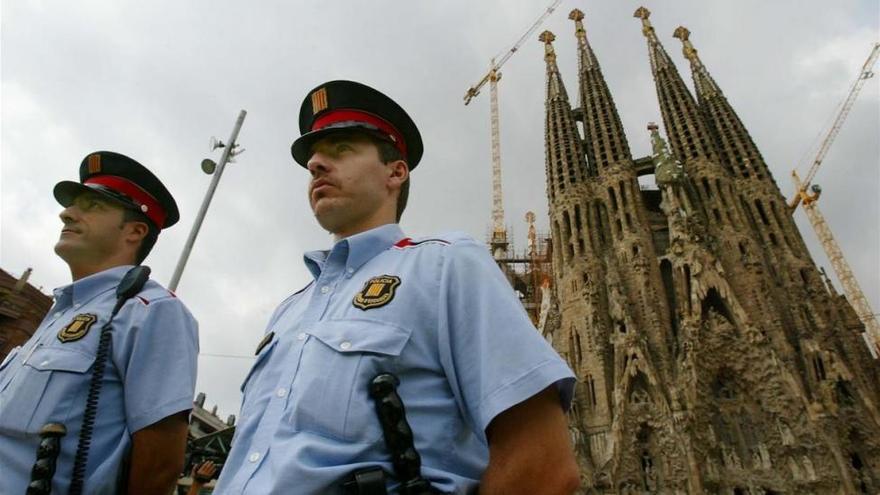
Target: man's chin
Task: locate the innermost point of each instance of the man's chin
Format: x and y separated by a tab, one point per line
64	249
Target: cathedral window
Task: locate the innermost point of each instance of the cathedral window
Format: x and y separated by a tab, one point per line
819	367
591	390
761	212
842	393
724	386
613	197
579	231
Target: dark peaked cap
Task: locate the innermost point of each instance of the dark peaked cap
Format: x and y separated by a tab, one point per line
348	105
125	181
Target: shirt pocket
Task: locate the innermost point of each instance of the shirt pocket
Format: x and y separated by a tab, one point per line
50	387
330	391
258	364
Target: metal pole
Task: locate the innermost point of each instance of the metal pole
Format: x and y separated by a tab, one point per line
227	151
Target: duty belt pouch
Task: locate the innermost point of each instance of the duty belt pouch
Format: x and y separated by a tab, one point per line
367	481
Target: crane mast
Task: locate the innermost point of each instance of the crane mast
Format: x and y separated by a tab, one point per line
499	231
808	194
851	288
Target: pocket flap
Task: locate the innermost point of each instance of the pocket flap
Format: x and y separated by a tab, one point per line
60	359
362	336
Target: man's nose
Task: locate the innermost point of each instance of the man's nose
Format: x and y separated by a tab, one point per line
68	215
317	164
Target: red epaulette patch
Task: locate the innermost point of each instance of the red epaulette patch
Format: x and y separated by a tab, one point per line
172	293
408	242
143	300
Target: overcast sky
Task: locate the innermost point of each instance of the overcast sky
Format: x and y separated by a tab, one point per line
156	79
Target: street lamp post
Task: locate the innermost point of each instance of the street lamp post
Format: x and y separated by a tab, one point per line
228	152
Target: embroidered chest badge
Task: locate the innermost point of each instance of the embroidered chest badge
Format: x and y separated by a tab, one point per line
377	292
77	328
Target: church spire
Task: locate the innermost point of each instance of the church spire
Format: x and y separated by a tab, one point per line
737	149
604	140
565	157
688	133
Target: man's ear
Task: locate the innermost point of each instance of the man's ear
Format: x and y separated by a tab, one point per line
136	231
399	173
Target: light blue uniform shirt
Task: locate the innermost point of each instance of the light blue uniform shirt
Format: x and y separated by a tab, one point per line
451	329
150	374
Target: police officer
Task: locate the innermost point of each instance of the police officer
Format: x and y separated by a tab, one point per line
111	220
484	394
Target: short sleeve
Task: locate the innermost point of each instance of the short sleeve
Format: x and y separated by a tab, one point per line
158	360
493	355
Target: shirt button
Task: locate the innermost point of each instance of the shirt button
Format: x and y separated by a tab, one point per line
76	306
345	345
254	457
325	289
350	270
301	336
281	392
57	314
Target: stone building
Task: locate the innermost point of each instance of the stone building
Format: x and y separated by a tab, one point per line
22	308
713	356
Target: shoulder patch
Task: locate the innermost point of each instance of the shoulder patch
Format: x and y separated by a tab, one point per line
144	300
77	328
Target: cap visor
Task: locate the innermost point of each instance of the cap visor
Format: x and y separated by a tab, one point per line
301	149
66	191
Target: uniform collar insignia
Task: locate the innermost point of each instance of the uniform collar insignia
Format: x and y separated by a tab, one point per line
377	292
77	328
263	343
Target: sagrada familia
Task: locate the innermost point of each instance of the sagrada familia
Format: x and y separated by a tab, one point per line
713	356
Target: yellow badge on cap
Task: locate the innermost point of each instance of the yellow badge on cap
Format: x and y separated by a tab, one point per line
319	100
377	292
78	328
94	164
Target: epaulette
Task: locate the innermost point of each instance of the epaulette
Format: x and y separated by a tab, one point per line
409	243
288	298
153	291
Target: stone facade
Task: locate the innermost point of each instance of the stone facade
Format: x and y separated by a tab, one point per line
22	308
712	354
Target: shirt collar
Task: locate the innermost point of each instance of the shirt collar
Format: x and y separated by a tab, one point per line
87	288
359	248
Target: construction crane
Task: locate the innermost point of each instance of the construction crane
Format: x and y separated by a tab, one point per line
499	231
807	194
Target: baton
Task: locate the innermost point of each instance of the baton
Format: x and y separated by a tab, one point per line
398	435
47	455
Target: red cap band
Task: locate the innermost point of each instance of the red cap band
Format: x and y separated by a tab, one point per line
154	211
335	116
